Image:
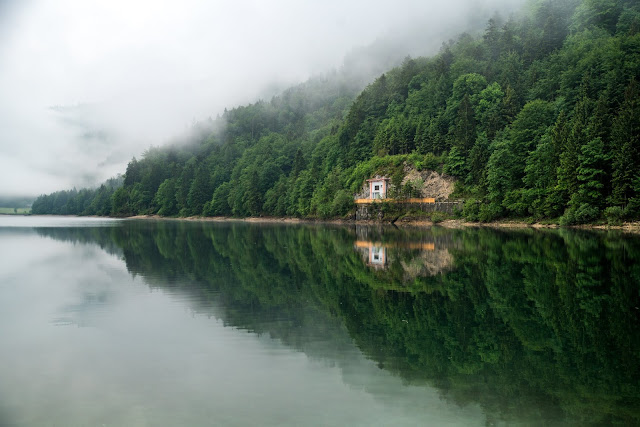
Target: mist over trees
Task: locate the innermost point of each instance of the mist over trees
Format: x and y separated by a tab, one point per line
16	202
536	117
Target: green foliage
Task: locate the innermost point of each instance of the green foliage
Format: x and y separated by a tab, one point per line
489	109
428	162
471	209
165	198
582	214
438	217
342	203
121	203
625	139
614	215
455	164
219	203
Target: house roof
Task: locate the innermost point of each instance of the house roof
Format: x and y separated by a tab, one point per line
378	178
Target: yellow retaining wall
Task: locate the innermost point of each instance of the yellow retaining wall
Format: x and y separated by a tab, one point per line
422	200
406	245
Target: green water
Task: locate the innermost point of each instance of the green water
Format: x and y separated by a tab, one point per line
146	323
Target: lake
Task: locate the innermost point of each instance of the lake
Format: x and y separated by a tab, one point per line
147	323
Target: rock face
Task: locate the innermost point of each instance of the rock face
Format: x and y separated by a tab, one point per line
430	183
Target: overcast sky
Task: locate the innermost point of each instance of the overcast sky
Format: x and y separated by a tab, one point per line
86	85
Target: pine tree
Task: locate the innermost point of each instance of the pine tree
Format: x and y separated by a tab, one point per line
421	139
252	198
569	157
299	164
591	174
600	127
465	130
510	104
559	136
478	158
625	141
200	191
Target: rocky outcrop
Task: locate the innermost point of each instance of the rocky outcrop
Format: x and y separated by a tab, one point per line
429	183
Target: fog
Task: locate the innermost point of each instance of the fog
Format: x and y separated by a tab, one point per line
87	85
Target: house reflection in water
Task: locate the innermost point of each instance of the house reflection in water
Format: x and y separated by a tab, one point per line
375	253
405	256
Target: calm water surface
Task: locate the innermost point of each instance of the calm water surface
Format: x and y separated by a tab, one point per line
147	323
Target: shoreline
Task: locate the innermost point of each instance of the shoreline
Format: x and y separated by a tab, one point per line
627	227
630	227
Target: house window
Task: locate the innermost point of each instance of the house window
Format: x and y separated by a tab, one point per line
376	188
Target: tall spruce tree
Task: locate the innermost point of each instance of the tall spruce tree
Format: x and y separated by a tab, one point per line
625	139
569	156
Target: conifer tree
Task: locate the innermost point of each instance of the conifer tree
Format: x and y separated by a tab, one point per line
200	191
569	156
591	175
625	138
465	133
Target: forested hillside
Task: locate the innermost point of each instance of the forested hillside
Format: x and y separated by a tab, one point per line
537	117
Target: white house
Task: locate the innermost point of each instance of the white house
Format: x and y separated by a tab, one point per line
378	187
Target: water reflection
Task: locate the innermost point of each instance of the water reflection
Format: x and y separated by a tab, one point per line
404	256
414	258
374	253
535	327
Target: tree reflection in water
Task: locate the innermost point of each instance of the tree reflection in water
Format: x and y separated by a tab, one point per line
541	324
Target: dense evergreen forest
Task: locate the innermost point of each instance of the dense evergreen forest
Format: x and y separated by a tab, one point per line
537	117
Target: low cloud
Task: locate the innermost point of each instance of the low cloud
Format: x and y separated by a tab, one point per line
88	85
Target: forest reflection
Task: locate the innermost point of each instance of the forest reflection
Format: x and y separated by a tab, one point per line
529	324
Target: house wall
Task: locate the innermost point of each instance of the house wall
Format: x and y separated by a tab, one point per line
382	185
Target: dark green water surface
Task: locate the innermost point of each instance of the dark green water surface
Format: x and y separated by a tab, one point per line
147	323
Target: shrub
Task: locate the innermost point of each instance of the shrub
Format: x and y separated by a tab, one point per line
437	217
632	210
614	215
490	212
471	210
342	203
583	214
428	162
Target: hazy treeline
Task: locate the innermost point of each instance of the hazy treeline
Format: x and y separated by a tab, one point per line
541	326
15	202
87	201
536	117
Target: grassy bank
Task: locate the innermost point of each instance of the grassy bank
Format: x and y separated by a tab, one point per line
14	211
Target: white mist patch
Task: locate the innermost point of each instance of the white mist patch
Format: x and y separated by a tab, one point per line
125	75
